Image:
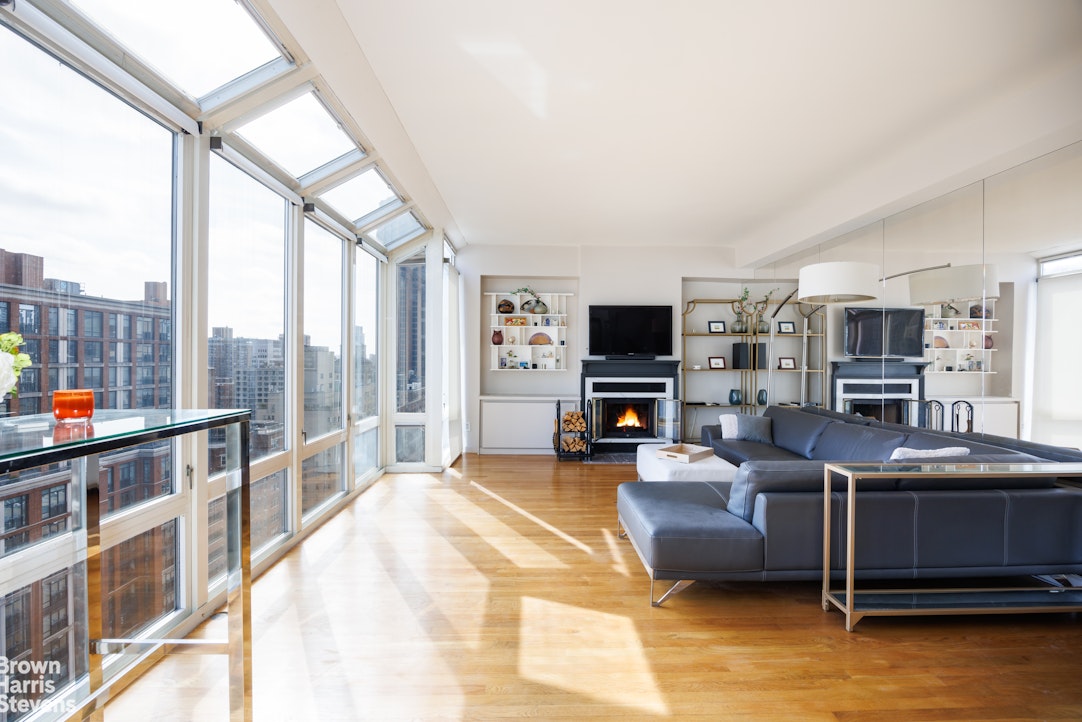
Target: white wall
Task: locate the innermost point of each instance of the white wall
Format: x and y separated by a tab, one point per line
1009	219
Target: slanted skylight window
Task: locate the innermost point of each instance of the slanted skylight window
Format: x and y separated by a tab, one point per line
363	198
300	136
199	46
397	231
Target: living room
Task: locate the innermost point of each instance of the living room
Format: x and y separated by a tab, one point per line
639	155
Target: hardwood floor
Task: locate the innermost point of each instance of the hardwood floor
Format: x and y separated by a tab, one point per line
499	589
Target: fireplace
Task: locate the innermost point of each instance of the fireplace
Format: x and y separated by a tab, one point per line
891	392
889	411
630	402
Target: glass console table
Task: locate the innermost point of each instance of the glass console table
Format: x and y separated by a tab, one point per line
29	443
955	597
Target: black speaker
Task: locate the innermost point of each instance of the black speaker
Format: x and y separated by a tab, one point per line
742	355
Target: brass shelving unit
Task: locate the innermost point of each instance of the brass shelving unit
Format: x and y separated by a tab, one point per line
809	356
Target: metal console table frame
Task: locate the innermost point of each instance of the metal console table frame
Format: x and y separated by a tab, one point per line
1004	599
27	442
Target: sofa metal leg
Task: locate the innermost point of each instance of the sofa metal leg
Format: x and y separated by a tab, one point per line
674	589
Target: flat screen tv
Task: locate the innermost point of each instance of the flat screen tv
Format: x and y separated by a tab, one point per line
630	331
884	332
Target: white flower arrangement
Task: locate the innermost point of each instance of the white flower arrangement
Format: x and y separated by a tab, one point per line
12	362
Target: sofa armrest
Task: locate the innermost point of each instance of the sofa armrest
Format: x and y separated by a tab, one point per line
710	434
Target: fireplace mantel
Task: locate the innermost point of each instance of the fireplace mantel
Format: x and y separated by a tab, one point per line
630	367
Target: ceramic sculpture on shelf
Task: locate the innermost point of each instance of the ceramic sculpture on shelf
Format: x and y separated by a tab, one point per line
534	304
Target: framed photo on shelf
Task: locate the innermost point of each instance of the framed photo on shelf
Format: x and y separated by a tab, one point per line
969	325
717	362
786	327
715	327
786	362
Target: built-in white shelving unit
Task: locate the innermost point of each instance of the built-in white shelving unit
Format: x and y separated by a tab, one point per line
960	343
527	332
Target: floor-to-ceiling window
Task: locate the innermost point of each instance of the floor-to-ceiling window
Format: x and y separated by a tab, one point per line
451	414
1057	418
365	406
324	392
410	391
246	347
87	200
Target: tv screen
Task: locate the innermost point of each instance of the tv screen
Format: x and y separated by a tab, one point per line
630	331
879	332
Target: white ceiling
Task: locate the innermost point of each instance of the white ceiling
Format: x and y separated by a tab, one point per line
765	125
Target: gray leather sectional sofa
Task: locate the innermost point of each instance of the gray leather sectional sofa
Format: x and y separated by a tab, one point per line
767	524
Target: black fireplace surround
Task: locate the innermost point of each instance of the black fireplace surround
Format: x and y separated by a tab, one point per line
623	395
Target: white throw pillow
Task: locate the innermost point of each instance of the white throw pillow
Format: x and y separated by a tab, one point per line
729	426
904	452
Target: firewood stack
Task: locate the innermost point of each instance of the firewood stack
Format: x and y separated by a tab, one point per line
573	444
573	421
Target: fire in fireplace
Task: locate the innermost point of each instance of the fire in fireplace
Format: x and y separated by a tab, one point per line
627	418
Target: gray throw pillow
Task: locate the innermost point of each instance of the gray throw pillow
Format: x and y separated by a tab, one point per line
746	427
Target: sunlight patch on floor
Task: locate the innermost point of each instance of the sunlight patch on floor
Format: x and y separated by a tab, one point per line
591	653
619	565
453	584
540	522
518	550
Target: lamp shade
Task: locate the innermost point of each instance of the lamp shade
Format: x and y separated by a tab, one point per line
954	283
838	282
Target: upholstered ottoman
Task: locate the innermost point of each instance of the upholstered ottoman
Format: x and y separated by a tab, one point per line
651	468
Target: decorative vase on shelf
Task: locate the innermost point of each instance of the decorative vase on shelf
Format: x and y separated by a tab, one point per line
761	398
764	326
738	325
540	307
735	397
497	337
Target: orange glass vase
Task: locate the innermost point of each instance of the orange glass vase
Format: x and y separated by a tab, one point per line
71	404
